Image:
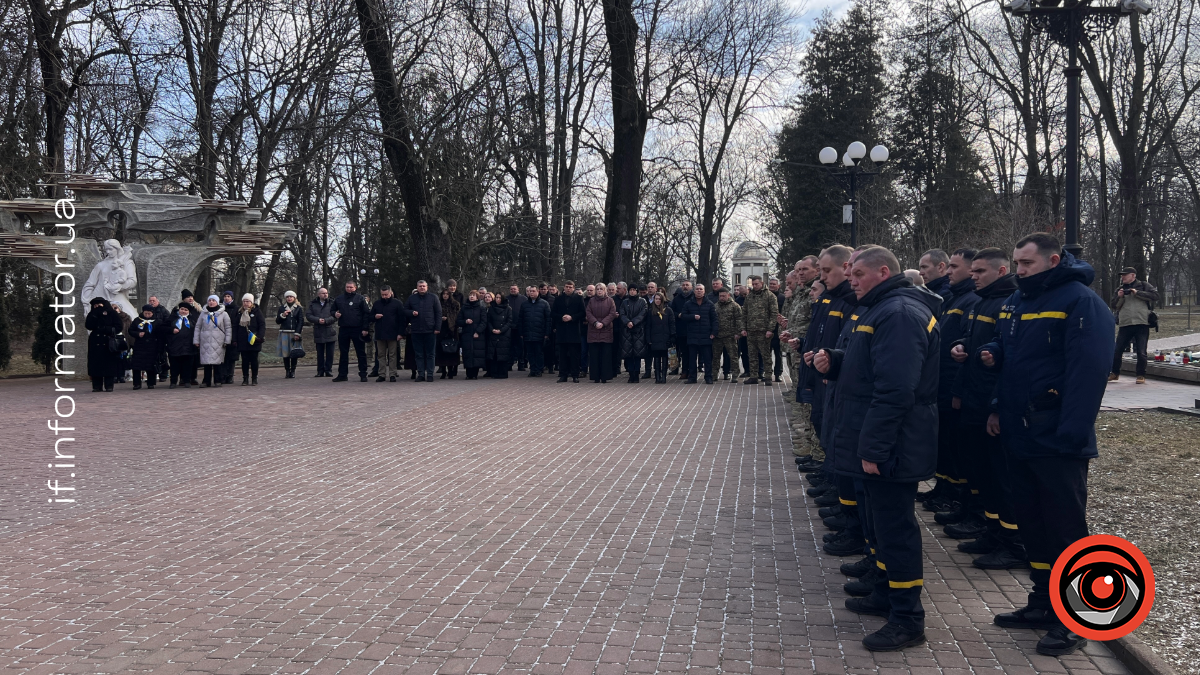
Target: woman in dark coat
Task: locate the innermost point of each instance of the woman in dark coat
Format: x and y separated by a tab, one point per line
659	333
248	329
499	337
448	363
103	325
472	331
147	335
180	350
633	346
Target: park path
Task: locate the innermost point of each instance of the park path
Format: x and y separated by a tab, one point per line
456	527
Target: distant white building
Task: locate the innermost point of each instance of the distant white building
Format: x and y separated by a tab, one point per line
749	259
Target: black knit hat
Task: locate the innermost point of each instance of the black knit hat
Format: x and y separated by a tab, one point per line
186	294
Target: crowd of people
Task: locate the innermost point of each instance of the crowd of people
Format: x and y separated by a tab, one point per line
984	369
593	331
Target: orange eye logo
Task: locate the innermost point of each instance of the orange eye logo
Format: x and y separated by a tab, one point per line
1102	587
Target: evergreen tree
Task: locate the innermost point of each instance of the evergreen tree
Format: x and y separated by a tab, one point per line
45	337
6	352
938	169
841	101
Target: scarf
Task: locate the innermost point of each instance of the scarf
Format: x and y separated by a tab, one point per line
244	320
182	322
147	325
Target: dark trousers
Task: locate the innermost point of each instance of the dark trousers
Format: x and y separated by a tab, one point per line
550	354
568	359
1049	502
949	447
684	354
633	366
658	357
249	364
105	383
182	368
701	359
986	468
583	356
518	351
213	374
1137	336
324	357
346	336
618	339
777	350
151	378
424	347
533	352
600	356
226	370
897	550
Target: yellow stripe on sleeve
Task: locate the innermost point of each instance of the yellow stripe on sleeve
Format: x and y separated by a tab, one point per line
1039	566
1044	315
932	323
865	329
906	584
837	314
847	502
985	319
954	311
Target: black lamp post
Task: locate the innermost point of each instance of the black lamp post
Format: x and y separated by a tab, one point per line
851	176
1068	25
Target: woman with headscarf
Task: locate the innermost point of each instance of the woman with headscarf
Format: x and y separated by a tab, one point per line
601	311
181	348
660	332
213	335
146	334
499	337
290	317
472	329
248	331
447	362
106	342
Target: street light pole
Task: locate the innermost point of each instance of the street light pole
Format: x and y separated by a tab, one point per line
1073	72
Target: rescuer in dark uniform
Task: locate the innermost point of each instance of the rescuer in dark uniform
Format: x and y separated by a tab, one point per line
884	412
1053	349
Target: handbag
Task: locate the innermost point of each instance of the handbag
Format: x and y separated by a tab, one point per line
449	346
1152	321
297	347
116	345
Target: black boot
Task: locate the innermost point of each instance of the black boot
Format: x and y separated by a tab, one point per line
245	381
254	381
1060	642
829	511
869	605
864	585
859	568
827	499
971	527
957	515
892	637
845	544
1028	617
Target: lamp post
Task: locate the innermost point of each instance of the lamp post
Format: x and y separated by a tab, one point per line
1067	25
850	177
374	276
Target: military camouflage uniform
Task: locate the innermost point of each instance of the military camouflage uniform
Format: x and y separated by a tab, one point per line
804	440
761	307
729	329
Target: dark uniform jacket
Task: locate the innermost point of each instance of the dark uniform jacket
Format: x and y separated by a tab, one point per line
834	308
941	286
392	325
1054	348
884	403
567	305
699	331
974	384
354	311
955	310
533	320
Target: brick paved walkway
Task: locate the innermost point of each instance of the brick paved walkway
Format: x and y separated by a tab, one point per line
454	527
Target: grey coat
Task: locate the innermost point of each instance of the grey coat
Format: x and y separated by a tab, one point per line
213	334
316	312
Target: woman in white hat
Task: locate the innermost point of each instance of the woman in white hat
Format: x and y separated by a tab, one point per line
290	317
248	329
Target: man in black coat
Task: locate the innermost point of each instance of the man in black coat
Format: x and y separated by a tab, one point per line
567	315
354	325
517	350
884	410
699	319
388	317
682	296
533	326
423	312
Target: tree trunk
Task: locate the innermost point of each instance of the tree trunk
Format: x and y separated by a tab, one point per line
629	134
57	91
704	263
431	244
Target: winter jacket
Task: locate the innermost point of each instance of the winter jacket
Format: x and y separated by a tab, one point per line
293	322
1134	309
241	334
633	343
761	312
660	328
326	332
181	343
953	321
391	325
499	317
699	331
474	335
941	286
883	406
102	324
1054	348
729	319
533	320
677	302
603	311
974	384
147	336
428	317
834	309
212	335
354	309
567	332
515	302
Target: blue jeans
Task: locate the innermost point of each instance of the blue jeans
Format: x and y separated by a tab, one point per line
425	348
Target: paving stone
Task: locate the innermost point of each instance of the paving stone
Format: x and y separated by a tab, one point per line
454	527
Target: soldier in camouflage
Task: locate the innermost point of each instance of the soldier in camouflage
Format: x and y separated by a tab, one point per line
797	317
762	321
729	328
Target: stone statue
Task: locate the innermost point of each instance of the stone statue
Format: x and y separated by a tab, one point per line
113	277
